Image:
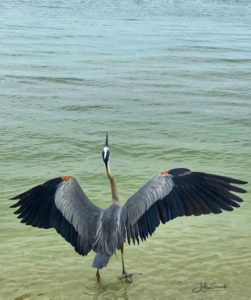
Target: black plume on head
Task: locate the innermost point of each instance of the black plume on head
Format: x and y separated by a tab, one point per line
106	140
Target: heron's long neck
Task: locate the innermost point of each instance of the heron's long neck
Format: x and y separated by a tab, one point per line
115	198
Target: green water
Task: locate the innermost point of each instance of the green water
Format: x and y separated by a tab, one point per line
170	82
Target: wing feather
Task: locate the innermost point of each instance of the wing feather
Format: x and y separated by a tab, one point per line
60	204
178	192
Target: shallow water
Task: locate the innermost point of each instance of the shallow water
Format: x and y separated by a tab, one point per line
170	82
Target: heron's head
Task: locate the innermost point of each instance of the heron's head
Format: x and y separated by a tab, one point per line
106	152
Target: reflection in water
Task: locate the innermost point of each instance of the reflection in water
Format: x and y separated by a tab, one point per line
103	289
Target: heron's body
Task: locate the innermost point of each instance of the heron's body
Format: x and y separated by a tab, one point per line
60	203
110	233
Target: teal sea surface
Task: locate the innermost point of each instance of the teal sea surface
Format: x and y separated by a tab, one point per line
171	83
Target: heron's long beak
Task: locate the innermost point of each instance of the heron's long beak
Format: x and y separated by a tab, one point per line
106	140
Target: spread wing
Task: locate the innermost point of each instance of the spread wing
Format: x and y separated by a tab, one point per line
176	193
60	203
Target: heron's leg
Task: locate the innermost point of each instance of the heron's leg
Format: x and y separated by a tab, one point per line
122	258
125	275
98	275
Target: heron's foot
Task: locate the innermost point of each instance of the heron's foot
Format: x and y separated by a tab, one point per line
100	285
128	276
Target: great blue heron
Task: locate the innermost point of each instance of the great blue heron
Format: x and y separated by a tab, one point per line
62	204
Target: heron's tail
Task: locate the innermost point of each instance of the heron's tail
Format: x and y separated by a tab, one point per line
100	260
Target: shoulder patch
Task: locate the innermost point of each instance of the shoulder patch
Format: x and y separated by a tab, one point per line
66	178
177	172
164	172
